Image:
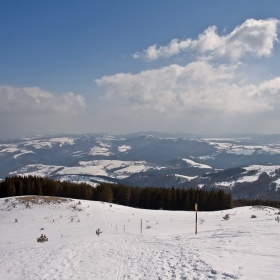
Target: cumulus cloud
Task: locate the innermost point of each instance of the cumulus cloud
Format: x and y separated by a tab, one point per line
254	37
197	87
200	97
33	100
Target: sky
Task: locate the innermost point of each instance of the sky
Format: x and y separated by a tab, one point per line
206	67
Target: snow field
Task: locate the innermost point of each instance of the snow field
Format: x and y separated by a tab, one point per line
240	248
111	168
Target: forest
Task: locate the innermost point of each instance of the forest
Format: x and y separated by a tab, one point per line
146	198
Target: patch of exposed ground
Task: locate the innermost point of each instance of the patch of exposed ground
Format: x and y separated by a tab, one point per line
32	200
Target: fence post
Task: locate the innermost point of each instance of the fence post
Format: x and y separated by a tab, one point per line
196	218
141	227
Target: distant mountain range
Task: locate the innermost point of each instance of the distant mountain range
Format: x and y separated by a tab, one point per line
248	166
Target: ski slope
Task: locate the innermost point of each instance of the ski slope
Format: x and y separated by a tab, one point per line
239	248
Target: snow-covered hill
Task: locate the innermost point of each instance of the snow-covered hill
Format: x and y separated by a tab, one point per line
151	159
239	248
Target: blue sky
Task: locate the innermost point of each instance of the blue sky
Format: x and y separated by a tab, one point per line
124	66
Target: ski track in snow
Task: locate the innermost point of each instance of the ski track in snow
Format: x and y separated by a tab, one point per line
240	248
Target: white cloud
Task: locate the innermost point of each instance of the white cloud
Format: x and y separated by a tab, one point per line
197	87
33	100
255	37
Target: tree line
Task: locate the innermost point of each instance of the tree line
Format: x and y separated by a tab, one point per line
165	198
33	185
147	198
252	202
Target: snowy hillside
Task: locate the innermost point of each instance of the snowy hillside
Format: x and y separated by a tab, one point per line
152	159
239	248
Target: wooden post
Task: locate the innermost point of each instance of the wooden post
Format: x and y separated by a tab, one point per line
141	227
123	228
196	218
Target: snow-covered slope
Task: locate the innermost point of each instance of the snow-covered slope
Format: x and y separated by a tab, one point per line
110	168
196	164
239	248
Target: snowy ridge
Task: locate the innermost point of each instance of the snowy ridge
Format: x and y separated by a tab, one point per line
270	170
234	148
49	143
187	178
196	164
240	248
111	168
19	152
124	148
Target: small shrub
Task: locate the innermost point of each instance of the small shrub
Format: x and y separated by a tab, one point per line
226	217
42	228
160	208
16	220
79	203
253	216
277	219
98	231
42	238
148	227
110	205
201	221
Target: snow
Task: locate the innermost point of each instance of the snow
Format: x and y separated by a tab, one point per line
13	149
103	144
225	184
124	148
23	152
233	148
36	170
83	179
119	168
206	157
269	169
188	178
196	164
111	168
90	170
100	151
10	150
277	183
240	248
49	143
241	151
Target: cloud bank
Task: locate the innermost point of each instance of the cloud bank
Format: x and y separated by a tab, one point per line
205	95
253	37
197	87
33	100
30	110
